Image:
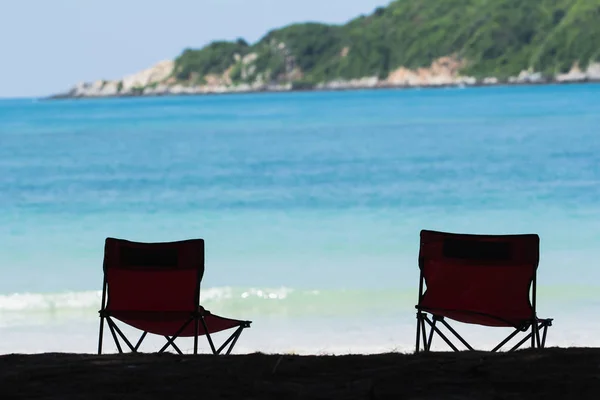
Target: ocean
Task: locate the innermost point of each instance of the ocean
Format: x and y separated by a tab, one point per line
310	204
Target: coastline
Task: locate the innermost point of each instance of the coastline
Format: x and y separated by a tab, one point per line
66	96
533	373
444	72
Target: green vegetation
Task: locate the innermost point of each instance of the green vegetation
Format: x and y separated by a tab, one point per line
494	37
213	59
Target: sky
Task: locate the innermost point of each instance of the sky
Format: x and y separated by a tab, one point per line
47	46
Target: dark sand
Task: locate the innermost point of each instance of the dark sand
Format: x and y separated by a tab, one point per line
529	374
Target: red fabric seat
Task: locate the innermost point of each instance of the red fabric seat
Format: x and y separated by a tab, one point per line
155	287
168	323
479	279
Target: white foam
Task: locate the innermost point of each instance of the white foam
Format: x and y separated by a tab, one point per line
284	321
91	299
49	302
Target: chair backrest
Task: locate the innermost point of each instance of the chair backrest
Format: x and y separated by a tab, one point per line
153	276
490	275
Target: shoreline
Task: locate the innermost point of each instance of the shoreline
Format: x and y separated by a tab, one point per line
317	90
533	373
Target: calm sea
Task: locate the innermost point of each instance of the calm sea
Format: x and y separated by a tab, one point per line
310	204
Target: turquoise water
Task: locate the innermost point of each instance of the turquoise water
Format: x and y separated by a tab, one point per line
310	204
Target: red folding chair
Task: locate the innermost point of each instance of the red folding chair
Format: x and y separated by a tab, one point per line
478	279
155	287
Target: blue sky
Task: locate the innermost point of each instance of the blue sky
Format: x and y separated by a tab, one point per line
49	45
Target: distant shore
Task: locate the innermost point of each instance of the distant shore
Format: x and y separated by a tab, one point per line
444	72
552	373
325	89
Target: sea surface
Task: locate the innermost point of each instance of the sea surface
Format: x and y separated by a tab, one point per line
310	204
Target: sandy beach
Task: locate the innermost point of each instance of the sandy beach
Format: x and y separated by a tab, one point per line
553	373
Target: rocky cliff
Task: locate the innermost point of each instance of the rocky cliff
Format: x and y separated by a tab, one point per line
409	43
159	81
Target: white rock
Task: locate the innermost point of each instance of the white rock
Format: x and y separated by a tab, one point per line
571	77
593	71
468	80
156	74
527	76
110	88
249	58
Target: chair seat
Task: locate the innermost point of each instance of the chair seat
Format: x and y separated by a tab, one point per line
168	323
479	318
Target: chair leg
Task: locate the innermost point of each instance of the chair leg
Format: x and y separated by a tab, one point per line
538	339
101	334
544	335
421	333
140	340
121	334
114	335
195	335
237	336
516	346
424	332
463	341
417	345
534	335
233	338
431	331
508	338
171	340
433	327
543	325
210	341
